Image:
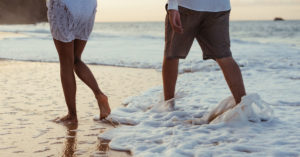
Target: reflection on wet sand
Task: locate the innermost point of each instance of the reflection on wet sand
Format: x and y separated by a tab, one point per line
103	146
71	143
31	97
104	150
71	139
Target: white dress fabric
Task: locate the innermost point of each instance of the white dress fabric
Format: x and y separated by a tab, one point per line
71	19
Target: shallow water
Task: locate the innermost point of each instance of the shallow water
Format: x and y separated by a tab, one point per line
31	96
141	44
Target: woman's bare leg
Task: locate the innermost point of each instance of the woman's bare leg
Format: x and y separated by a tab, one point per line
85	74
66	58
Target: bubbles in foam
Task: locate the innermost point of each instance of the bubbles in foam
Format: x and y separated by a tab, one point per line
251	109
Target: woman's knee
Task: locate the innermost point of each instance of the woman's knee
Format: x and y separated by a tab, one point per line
77	61
66	60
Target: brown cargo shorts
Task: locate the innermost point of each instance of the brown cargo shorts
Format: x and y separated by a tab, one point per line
211	29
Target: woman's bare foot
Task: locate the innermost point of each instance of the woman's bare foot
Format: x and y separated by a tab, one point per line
66	119
103	105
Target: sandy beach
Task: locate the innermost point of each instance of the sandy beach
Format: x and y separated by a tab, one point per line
31	96
4	35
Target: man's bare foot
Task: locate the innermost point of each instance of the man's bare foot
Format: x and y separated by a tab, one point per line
103	105
68	119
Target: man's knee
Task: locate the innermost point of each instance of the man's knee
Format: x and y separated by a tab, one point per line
226	61
171	60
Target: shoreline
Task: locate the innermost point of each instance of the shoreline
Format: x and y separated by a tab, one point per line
93	64
29	103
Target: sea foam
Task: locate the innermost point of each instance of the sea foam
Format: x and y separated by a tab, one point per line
163	130
251	109
254	126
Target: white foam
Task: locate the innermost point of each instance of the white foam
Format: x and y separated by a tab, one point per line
251	109
253	127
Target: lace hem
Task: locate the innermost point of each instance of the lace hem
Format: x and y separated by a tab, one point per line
64	26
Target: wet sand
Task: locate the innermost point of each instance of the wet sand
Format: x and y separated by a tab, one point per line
31	96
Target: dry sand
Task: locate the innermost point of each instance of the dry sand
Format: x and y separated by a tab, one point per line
4	35
31	96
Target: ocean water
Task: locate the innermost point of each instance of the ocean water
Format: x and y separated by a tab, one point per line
141	45
266	123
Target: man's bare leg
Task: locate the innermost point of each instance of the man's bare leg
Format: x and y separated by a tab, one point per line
233	76
169	73
66	58
85	74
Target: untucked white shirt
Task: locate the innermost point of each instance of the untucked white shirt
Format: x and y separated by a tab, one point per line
201	5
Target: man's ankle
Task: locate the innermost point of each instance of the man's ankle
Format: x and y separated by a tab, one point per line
168	98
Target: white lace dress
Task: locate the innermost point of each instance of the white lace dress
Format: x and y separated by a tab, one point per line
71	19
